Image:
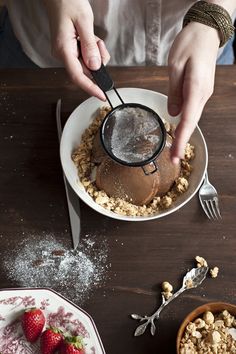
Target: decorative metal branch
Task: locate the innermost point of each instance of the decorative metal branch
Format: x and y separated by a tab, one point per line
191	280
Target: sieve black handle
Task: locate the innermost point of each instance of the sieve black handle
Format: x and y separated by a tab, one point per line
102	79
100	76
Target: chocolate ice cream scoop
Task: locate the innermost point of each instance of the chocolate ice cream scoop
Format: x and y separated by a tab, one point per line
128	183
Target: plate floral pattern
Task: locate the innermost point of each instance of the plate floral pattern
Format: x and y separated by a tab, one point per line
59	312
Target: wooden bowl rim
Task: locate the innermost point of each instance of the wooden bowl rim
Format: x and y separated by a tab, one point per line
214	307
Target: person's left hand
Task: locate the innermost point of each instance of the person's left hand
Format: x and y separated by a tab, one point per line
192	62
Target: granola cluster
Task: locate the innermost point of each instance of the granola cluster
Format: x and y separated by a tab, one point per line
201	262
87	170
167	288
210	334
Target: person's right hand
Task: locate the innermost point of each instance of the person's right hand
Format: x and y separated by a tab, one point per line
192	63
69	20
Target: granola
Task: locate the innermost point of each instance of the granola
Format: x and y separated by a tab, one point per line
211	333
82	159
167	290
214	272
201	262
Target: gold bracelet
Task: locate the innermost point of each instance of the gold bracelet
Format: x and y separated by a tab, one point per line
212	15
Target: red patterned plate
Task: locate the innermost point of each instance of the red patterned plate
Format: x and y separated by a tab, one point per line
59	312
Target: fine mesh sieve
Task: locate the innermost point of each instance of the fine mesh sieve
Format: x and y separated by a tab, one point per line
132	134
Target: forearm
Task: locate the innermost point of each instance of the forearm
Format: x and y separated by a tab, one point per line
229	5
192	63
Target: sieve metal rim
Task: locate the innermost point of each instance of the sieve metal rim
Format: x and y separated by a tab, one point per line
133	164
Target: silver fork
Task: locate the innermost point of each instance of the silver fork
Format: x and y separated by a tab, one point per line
209	200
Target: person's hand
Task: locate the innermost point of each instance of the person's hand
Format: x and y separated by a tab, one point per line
192	62
69	20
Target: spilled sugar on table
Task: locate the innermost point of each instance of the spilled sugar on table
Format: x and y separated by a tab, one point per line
127	261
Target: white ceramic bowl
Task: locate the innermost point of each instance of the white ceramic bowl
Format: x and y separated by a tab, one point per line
83	116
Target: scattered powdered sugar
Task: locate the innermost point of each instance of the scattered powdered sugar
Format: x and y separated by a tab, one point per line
47	263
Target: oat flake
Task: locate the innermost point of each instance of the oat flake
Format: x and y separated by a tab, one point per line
47	263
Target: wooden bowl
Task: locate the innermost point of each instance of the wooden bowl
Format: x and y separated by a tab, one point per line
214	307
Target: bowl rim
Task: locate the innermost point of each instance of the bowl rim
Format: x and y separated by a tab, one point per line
214	307
75	185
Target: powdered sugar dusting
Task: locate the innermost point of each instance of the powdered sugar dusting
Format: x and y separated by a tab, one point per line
133	134
48	263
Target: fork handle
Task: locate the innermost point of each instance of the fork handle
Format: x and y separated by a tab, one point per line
206	180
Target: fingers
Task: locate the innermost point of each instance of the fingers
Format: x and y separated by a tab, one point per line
103	51
175	91
77	70
65	48
196	91
105	56
182	135
68	21
76	73
90	50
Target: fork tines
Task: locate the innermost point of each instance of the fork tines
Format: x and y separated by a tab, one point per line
211	208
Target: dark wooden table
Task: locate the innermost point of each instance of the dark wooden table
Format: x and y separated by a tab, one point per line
139	255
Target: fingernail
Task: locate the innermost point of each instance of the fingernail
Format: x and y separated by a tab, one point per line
103	98
99	94
173	109
175	160
94	63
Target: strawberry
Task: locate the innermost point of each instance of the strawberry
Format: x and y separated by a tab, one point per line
50	340
32	322
72	345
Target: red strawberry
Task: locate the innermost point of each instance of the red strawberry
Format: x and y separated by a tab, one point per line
72	345
32	321
50	340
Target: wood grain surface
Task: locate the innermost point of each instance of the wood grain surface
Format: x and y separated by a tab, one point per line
140	256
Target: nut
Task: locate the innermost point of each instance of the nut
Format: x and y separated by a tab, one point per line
181	185
200	323
208	317
214	337
189	283
201	262
167	287
214	272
